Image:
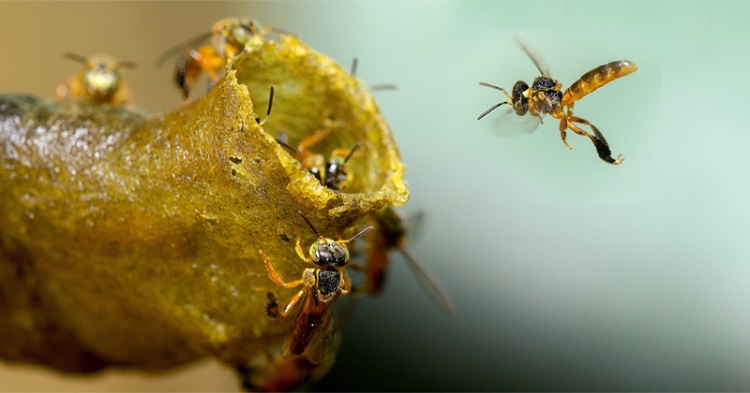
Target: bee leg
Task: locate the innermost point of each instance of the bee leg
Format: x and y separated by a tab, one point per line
272	308
300	251
274	274
346	283
290	304
313	139
340	152
563	133
602	147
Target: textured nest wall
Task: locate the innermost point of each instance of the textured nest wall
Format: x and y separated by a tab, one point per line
133	241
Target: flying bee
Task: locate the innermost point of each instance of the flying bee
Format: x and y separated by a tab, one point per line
312	332
544	96
98	81
227	39
332	173
391	233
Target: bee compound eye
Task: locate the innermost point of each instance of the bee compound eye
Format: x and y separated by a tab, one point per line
345	254
314	252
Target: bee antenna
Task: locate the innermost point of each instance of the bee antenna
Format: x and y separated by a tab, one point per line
75	57
355	62
268	113
360	234
286	146
309	224
383	86
492	108
351	152
270	103
492	86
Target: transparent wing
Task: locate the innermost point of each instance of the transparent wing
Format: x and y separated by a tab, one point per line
538	62
174	51
324	336
508	123
311	332
429	282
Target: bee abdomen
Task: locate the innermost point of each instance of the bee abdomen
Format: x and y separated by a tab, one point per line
597	78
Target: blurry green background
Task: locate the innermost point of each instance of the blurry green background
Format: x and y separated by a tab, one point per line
566	273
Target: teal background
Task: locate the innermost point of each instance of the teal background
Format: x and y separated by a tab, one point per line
566	273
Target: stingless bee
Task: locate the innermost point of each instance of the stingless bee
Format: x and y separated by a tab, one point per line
545	96
312	331
227	39
332	173
391	233
98	81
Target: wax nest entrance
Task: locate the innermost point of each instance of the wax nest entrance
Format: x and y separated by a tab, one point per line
133	241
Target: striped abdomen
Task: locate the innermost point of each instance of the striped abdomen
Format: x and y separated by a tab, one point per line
597	78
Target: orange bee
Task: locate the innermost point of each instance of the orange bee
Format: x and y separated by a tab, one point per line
311	333
545	96
227	39
98	81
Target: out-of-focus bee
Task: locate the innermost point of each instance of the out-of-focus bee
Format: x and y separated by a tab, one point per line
227	39
332	173
391	233
545	96
98	81
311	334
271	372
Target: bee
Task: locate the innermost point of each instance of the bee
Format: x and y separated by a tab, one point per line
332	173
312	331
98	81
545	97
227	39
391	233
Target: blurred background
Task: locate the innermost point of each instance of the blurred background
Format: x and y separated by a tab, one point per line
566	273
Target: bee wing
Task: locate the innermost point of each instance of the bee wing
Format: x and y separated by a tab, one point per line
311	332
415	224
508	123
324	335
172	52
429	282
538	62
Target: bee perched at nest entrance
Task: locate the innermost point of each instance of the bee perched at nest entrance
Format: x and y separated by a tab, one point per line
227	37
98	81
311	332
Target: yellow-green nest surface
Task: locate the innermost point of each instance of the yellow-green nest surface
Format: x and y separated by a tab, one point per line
133	241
